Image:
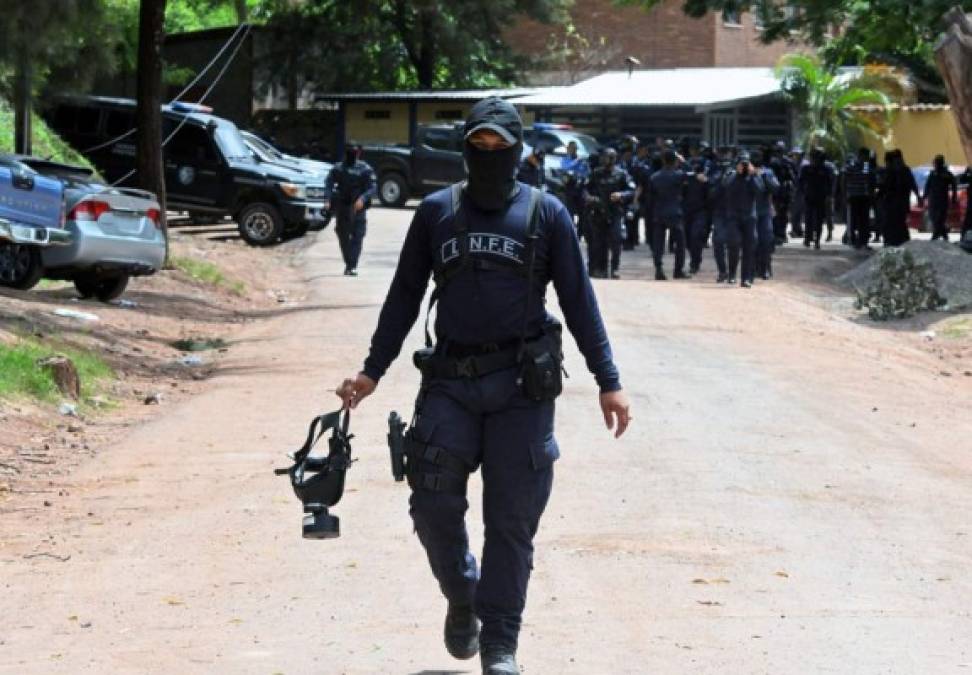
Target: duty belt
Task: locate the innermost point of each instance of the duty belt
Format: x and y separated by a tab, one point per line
473	366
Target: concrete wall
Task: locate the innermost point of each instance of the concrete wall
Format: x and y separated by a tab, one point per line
922	134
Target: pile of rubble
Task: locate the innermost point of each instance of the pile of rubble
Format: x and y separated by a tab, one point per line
952	268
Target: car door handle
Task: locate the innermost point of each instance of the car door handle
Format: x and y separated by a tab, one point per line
23	181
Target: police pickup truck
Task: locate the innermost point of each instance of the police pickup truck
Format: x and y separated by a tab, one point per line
31	218
435	160
210	172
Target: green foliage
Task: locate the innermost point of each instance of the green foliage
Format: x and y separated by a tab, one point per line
47	144
20	375
897	32
207	273
824	100
902	287
330	45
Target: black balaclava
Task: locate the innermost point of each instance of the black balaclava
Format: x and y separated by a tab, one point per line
492	173
351	153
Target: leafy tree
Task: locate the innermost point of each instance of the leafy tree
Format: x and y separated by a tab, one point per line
851	32
335	45
825	101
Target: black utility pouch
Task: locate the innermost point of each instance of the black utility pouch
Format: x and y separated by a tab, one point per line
421	358
541	372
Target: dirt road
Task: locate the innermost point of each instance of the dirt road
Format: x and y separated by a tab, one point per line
793	497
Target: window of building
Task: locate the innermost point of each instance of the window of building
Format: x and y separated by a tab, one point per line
377	114
448	114
730	17
756	9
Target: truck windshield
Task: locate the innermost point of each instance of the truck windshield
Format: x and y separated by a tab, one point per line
231	143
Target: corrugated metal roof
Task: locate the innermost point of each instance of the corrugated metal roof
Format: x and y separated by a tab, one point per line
668	87
917	107
432	95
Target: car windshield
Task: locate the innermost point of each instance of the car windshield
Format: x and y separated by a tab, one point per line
231	143
263	146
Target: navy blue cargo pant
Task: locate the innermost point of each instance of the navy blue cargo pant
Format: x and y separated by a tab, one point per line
725	245
695	230
742	235
677	238
486	422
765	243
351	228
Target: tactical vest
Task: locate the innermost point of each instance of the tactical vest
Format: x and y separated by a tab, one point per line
527	267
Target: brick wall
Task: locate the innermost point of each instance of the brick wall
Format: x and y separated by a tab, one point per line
739	45
663	37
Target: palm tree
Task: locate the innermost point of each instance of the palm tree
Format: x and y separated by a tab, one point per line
839	110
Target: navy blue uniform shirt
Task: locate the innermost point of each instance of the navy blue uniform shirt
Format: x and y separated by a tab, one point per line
481	306
696	191
346	184
667	193
764	199
741	192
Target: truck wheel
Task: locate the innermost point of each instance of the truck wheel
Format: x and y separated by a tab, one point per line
392	190
296	231
260	224
20	266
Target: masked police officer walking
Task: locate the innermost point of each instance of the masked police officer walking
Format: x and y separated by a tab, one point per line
350	188
488	386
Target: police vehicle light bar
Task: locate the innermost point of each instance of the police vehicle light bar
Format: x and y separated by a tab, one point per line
182	106
551	126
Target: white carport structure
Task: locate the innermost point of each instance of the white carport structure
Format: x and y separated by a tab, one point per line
725	106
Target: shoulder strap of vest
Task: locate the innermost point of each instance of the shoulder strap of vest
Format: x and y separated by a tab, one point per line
533	232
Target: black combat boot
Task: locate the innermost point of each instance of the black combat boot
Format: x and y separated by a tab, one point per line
499	661
680	274
461	632
660	274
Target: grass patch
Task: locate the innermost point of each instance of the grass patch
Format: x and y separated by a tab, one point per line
958	329
46	143
20	376
207	273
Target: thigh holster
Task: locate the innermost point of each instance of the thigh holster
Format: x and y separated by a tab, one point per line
433	468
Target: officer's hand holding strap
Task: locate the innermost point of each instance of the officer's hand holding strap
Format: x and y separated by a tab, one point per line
355	389
615	406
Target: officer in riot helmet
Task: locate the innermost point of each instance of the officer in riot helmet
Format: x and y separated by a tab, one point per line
492	245
608	191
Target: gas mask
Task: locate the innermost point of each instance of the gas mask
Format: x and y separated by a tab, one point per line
492	175
351	155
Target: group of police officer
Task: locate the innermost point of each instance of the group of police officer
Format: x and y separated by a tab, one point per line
744	201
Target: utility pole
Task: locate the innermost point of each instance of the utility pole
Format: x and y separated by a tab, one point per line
150	172
22	105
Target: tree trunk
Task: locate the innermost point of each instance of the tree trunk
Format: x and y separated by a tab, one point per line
22	105
148	114
241	13
954	56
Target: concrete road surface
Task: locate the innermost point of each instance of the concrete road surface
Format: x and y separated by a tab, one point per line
794	496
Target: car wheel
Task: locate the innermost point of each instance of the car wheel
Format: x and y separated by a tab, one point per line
260	224
112	288
20	266
86	286
296	231
392	190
